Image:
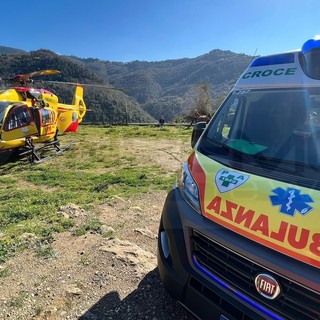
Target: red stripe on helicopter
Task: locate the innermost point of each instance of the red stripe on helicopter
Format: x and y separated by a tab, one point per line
73	127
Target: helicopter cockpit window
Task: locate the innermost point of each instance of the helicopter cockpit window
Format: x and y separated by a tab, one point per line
47	116
18	117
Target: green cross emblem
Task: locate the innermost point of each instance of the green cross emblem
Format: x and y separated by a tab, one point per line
227	180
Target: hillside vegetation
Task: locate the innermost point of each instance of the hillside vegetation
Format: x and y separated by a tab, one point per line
150	89
105	105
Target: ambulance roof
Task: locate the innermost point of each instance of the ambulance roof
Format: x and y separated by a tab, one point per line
289	69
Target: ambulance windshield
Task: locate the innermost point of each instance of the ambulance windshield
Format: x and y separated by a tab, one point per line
271	124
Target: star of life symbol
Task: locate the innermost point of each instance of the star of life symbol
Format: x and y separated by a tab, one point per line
227	180
290	201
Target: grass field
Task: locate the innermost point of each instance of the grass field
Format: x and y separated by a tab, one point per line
103	162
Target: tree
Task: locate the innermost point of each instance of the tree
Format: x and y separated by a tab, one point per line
203	100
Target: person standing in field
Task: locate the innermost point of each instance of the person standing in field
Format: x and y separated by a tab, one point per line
161	122
196	116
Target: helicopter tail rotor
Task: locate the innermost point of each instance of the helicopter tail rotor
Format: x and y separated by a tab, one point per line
78	102
70	115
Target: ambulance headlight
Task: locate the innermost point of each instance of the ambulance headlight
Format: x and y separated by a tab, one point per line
310	58
188	187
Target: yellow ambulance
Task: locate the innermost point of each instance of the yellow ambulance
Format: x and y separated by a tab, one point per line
239	236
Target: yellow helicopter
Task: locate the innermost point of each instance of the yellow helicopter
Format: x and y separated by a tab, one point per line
31	117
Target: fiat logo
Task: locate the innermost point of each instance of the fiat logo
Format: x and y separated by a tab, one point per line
267	286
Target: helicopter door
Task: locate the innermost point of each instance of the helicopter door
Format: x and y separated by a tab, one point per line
68	121
18	123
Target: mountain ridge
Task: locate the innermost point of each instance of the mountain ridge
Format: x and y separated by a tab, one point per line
152	88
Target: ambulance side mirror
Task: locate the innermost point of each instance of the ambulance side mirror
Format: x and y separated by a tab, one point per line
197	132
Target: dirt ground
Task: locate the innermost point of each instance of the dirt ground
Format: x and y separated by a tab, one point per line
93	276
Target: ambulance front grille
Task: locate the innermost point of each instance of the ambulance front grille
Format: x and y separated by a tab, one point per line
295	301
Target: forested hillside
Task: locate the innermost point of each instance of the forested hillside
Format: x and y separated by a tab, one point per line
8	50
168	87
105	105
151	89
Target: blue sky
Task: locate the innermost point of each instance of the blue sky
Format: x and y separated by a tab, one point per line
156	30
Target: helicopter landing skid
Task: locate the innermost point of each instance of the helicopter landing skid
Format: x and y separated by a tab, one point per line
34	154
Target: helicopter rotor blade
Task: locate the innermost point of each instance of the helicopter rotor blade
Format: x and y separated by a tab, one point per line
24	78
27	76
83	84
